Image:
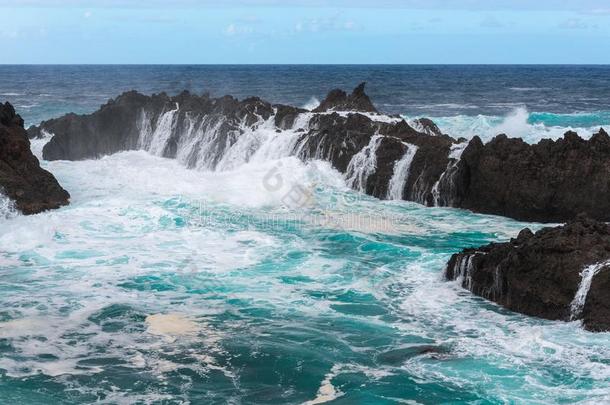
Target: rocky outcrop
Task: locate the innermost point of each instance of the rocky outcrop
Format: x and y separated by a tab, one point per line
551	181
382	156
157	123
560	273
338	100
31	188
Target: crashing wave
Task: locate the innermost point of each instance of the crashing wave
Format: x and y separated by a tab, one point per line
531	127
7	207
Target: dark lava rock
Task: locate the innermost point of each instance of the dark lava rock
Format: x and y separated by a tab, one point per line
32	188
338	100
551	181
539	274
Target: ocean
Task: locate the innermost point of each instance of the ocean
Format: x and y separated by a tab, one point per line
162	284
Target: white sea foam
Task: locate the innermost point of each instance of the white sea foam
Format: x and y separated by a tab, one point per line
327	392
7	207
171	326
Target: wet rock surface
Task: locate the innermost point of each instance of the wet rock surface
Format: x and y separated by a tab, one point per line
545	274
31	188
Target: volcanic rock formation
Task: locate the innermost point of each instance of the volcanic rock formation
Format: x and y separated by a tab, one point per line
380	155
560	273
31	188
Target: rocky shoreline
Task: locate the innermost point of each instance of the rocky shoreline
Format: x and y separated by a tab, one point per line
30	188
560	273
550	181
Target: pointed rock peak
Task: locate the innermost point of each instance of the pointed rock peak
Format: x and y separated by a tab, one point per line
572	136
601	137
359	90
8	116
338	100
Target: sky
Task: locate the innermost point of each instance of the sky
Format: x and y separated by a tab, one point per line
299	31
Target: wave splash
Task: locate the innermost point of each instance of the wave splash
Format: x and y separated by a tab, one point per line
520	123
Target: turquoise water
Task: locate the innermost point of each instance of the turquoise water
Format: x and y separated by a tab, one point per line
165	285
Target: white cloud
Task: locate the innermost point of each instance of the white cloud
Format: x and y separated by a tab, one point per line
333	23
88	14
577	5
577	24
237	29
598	11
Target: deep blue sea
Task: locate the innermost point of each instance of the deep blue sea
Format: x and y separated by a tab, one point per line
160	284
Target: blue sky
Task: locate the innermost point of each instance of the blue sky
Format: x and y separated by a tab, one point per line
316	31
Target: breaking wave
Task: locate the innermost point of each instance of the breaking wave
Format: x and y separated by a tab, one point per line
532	127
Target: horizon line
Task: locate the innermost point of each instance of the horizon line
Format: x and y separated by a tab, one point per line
304	64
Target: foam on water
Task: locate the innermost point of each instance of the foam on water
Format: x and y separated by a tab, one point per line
175	278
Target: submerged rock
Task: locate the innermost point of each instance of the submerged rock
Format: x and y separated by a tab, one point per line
31	188
560	273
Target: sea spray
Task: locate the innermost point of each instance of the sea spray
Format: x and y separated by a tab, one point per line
531	127
7	207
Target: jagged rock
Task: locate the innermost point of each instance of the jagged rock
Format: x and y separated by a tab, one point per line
338	100
337	138
540	274
31	188
550	181
130	121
